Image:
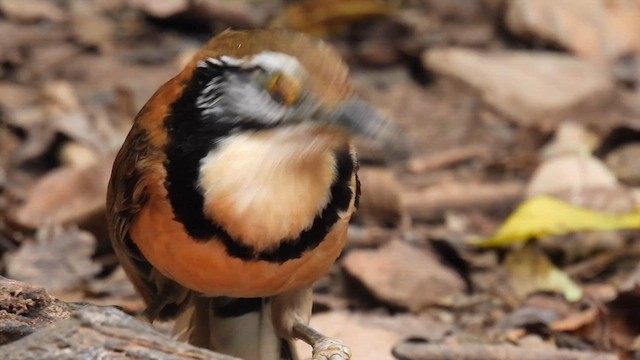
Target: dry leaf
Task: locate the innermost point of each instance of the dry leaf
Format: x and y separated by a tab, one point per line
66	195
59	259
399	273
531	271
321	17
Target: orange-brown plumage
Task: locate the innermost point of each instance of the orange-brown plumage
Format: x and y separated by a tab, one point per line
206	267
237	180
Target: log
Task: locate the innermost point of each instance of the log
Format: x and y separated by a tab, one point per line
34	325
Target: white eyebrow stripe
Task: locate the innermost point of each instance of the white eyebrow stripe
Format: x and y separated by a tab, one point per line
277	62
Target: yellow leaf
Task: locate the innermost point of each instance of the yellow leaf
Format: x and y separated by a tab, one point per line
531	271
544	216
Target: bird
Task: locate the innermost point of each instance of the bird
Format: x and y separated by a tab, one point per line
232	193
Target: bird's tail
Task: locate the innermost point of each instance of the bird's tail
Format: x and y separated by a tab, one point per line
233	326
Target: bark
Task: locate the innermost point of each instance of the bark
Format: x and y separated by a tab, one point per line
58	330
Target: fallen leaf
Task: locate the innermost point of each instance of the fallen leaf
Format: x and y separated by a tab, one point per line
32	10
532	88
531	271
399	273
59	259
569	172
68	194
591	28
545	216
364	340
575	321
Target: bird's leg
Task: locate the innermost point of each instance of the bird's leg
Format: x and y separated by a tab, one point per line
291	312
324	348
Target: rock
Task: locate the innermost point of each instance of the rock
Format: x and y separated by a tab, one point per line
527	87
596	29
403	275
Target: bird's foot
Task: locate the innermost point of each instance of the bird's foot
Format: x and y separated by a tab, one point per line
324	348
331	349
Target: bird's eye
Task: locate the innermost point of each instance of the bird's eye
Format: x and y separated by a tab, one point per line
284	89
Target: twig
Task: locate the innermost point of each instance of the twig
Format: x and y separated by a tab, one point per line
435	200
447	158
490	352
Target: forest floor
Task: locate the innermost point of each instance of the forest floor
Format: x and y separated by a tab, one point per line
511	105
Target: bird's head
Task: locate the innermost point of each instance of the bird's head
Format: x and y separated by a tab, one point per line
272	79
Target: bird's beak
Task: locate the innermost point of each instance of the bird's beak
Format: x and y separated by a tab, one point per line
358	118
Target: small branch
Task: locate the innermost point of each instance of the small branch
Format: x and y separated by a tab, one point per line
423	164
490	352
434	201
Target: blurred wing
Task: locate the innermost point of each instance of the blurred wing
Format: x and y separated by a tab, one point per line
127	194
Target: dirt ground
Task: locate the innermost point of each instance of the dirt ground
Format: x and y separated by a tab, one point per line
510	104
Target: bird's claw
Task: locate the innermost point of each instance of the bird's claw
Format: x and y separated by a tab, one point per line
331	349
